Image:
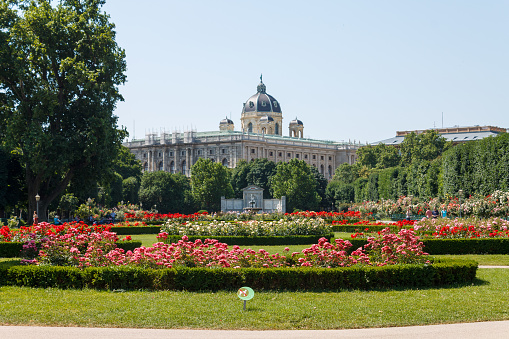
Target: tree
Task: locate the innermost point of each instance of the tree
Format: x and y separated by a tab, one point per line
296	182
425	146
321	187
164	191
256	172
61	69
69	203
209	182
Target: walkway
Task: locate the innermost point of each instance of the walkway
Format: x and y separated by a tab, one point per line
481	330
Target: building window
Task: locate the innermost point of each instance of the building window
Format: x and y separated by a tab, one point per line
277	129
170	153
271	154
321	157
297	156
305	156
264	103
330	158
183	153
145	155
211	151
223	150
250	127
199	152
289	155
275	103
161	167
252	150
314	157
280	154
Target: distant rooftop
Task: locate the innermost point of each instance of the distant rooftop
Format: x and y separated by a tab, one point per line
455	134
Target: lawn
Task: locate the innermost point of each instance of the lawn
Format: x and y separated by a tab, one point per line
485	300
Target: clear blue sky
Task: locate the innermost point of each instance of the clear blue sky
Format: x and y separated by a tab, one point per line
348	69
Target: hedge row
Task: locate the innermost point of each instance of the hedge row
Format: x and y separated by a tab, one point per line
266	240
13	249
445	272
124	230
361	228
457	246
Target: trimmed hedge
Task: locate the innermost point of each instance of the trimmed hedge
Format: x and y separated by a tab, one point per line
124	230
266	240
361	228
456	246
13	249
443	272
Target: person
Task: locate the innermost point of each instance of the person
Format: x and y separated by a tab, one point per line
444	213
56	220
36	218
428	213
435	213
113	215
408	214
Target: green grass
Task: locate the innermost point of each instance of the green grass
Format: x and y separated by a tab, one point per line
486	300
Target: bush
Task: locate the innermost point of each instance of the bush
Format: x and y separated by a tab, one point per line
456	246
248	241
443	272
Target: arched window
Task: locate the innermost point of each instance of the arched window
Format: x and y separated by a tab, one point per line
161	167
250	127
330	171
172	167
184	171
225	162
277	128
322	170
145	167
264	130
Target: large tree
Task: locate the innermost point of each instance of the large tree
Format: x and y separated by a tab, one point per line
210	181
295	181
166	192
59	77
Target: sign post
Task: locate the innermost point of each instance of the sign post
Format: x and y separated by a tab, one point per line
245	293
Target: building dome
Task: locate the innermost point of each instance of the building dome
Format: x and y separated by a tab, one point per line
296	122
261	101
226	125
226	121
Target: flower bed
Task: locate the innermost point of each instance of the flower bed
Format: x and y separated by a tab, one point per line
299	226
468	228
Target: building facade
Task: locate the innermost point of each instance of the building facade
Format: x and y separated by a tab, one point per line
261	136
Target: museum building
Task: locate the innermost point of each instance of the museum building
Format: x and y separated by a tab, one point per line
261	136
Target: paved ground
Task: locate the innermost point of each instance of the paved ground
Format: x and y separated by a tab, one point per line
481	330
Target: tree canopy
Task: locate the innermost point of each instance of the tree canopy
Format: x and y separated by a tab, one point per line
296	181
210	181
61	68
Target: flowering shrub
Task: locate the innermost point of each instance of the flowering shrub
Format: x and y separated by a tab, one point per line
464	227
298	226
150	216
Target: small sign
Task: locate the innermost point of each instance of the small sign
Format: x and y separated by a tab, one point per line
245	293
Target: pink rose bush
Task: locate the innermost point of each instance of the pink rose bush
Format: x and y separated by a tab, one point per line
99	249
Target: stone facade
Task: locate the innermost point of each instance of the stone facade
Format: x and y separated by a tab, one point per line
253	201
261	137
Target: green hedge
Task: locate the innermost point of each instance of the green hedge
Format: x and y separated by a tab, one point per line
247	241
123	230
456	246
361	228
444	272
13	249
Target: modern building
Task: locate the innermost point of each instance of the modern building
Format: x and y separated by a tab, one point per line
455	134
261	136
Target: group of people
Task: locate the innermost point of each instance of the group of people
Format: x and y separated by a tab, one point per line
434	214
429	214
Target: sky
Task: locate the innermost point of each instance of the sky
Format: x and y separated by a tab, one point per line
349	70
